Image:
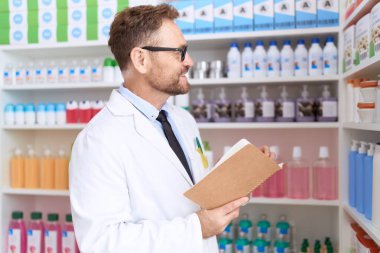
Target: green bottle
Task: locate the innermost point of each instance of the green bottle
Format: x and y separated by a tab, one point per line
264	228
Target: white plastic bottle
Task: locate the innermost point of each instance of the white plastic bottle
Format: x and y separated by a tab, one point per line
8	74
74	71
330	57
61	114
274	57
85	71
41	114
315	58
234	61
40	73
50	114
287	59
52	72
260	60
29	73
9	114
247	60
108	71
20	74
20	114
96	71
63	72
30	114
350	100
300	59
376	188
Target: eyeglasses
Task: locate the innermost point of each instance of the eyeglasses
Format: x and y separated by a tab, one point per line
182	50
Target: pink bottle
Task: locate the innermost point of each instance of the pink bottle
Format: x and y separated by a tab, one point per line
35	234
258	192
69	244
17	234
274	187
53	242
324	177
298	176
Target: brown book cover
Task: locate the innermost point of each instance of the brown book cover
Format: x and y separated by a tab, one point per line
236	175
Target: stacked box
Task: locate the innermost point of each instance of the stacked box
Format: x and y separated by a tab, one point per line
18	22
284	14
375	31
223	16
328	13
186	18
306	13
264	15
348	48
204	16
243	15
362	39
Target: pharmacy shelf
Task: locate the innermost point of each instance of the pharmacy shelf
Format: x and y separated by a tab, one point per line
362	126
373	232
45	127
368	69
361	10
272	125
55	193
60	86
297	202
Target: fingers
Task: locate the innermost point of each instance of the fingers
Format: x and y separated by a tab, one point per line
272	155
227	208
265	150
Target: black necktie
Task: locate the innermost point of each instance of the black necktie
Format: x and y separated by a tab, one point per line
173	142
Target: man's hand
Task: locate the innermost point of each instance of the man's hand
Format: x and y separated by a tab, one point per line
214	221
266	151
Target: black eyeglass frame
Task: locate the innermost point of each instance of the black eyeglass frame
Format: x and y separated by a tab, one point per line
182	50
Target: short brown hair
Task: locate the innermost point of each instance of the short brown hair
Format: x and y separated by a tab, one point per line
134	26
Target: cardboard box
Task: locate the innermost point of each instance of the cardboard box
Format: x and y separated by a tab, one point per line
18	19
47	18
348	7
284	14
73	4
348	48
47	4
306	13
328	13
375	31
263	11
17	5
77	16
77	33
106	13
47	35
204	16
104	31
223	16
18	36
4	36
186	19
4	20
243	15
362	39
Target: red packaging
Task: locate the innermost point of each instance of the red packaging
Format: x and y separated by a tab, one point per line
85	113
72	112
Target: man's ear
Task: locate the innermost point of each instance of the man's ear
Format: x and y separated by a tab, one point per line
140	59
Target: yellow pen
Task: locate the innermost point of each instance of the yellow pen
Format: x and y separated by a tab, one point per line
200	151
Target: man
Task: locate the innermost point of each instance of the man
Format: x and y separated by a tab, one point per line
132	163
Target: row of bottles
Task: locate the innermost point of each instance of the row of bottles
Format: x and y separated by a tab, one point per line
39	172
41	237
265	109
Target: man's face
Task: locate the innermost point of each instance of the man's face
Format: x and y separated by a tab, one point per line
167	71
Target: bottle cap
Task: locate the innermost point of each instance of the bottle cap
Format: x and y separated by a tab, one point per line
326	91
108	62
41	107
371	150
50	107
234	44
9	108
363	148
53	217
264	93
248	44
244	93
60	107
315	41
329	39
287	42
29	108
354	145
323	152
297	152
69	218
19	108
200	95
284	93
18	151
36	215
259	43
17	215
301	42
273	43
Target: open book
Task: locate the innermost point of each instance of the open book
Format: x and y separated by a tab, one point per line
243	168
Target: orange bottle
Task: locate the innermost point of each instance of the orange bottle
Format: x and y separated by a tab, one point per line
17	169
61	171
32	170
47	170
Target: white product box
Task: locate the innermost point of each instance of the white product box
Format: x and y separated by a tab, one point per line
306	13
18	19
263	11
76	4
103	31
328	13
243	15
204	16
284	14
18	36
47	35
186	19
17	5
362	39
349	48
106	13
77	33
47	17
77	16
375	31
47	4
223	15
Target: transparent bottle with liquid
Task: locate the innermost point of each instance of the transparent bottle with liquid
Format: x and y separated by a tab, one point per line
69	243
242	245
40	72
222	109
283	229
52	72
17	169
234	61
244	108
97	71
264	107
225	245
61	170
20	75
274	57
275	186
298	176
35	233
53	238
326	106
264	228
30	73
47	169
300	59
63	72
32	169
16	233
247	60
285	107
85	71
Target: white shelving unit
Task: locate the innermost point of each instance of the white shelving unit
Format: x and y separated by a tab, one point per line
54	193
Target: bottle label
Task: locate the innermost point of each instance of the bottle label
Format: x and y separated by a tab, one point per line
68	241
249	109
51	241
14	241
268	109
329	109
34	241
288	109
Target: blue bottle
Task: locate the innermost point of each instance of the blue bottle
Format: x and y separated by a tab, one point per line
368	176
352	174
360	177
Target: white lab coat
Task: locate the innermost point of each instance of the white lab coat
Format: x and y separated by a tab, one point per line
127	185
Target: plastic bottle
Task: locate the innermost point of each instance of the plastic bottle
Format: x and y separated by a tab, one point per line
53	239
200	109
264	228
330	58
304	109
9	114
52	72
118	74
32	170
47	170
20	75
96	71
72	112
245	227
287	59
285	108
368	179
274	186
259	245
242	245
324	177
244	108
274	56
360	176
376	188
357	98
96	107
229	232
222	108
61	114
352	173
74	70
30	73
85	113
41	114
281	247
35	234
300	59
234	61
20	114
17	169
315	58
260	60
108	71
283	229
40	73
264	107
51	114
69	243
8	74
16	233
30	114
85	71
61	171
225	245
298	176
63	72
327	106
247	60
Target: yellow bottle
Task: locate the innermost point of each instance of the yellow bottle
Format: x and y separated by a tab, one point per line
61	171
17	169
32	170
47	170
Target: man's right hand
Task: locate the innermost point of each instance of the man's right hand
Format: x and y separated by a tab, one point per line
214	221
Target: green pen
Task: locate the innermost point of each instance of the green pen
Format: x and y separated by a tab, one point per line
198	144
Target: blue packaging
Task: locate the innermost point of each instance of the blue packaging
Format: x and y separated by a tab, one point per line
263	11
306	13
243	15
204	16
284	14
186	19
352	175
368	177
223	16
328	13
360	178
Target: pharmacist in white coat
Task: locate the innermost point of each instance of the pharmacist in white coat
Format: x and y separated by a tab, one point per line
126	178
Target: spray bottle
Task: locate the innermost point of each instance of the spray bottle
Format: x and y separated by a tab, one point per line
200	109
360	176
285	107
368	178
264	107
352	173
244	108
327	107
